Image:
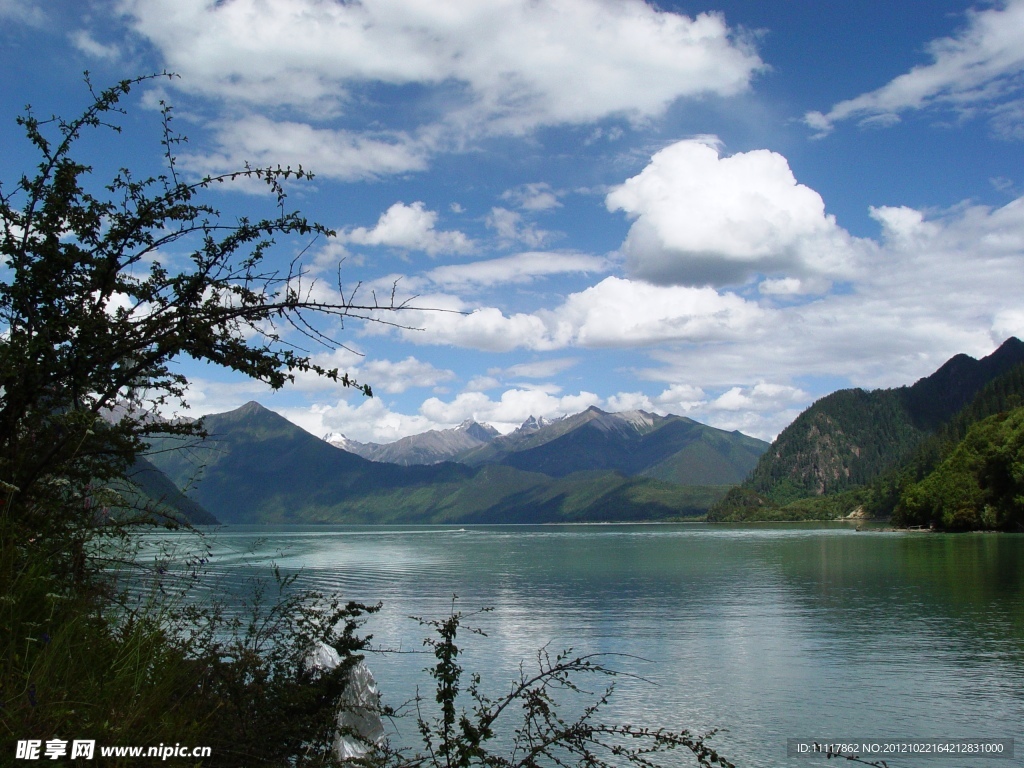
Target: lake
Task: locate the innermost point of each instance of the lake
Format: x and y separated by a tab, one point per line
770	632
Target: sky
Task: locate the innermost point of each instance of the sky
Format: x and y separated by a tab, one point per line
722	210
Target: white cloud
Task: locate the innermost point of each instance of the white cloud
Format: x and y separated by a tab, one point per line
368	420
1008	119
397	377
337	154
790	286
533	197
410	227
512	65
761	410
762	396
387	376
1008	322
904	227
519	268
700	218
764	425
618	312
630	401
342	358
511	228
680	398
87	44
972	231
611	134
979	68
486	329
482	384
547	387
935	286
24	11
331	256
614	313
1003	184
541	369
935	283
205	396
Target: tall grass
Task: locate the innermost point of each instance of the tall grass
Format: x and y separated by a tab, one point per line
86	658
76	664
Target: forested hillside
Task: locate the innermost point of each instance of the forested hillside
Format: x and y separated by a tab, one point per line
979	485
857	451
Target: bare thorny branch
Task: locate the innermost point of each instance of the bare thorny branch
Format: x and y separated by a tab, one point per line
460	738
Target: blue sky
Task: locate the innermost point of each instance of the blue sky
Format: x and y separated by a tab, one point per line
721	210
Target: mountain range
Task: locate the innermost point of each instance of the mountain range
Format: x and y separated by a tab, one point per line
670	448
852	448
256	466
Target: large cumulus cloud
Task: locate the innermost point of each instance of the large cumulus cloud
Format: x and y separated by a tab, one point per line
701	218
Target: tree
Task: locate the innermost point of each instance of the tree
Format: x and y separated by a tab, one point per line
93	315
980	485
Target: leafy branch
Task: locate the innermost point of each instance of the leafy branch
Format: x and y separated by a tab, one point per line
104	288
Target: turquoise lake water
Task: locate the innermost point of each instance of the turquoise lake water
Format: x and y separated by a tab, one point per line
769	632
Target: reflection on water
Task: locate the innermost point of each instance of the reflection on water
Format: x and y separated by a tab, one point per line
771	632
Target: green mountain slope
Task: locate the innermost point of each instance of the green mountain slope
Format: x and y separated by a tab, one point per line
498	494
709	460
258	467
935	399
853	438
154	491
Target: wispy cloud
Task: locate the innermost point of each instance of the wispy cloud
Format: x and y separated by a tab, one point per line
978	69
540	369
537	196
337	154
512	229
518	268
86	43
22	11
